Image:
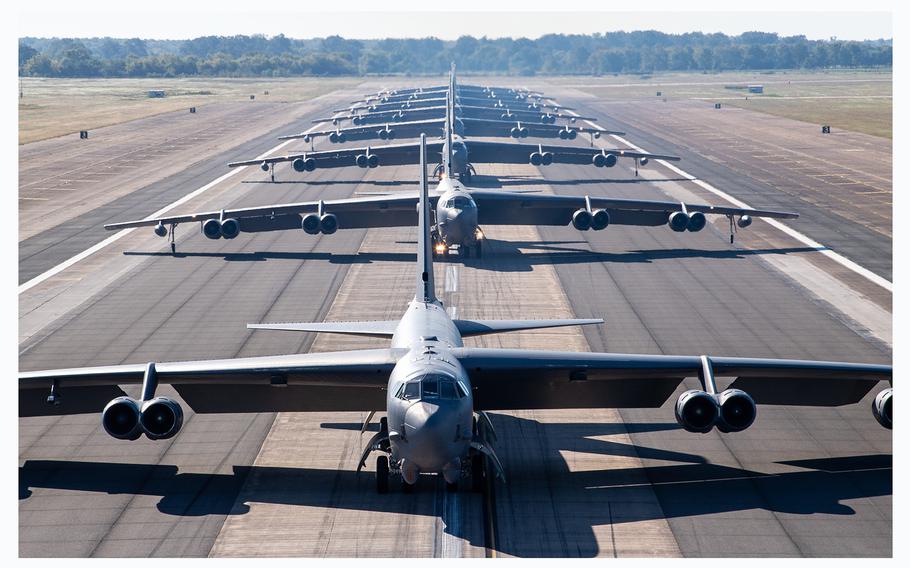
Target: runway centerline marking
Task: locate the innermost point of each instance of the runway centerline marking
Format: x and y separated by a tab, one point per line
806	240
26	286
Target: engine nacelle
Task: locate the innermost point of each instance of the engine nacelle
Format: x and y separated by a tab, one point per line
264	166
383	134
744	221
546	158
306	139
737	411
356	120
361	160
643	161
230	228
120	418
582	219
600	219
678	221
515	132
696	411
161	230
372	161
697	222
881	408
161	418
211	228
604	160
536	158
310	224
328	224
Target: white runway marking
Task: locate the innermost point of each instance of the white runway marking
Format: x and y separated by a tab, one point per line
26	286
842	260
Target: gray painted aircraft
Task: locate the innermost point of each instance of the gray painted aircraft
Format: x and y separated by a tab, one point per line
435	390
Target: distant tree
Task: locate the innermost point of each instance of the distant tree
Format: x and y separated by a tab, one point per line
26	52
77	61
39	66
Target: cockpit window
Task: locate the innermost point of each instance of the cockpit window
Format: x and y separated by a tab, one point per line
462	390
430	387
411	391
460	202
447	389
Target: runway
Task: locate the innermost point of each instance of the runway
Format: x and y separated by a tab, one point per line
800	482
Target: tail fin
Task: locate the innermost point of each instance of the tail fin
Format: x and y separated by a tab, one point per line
426	290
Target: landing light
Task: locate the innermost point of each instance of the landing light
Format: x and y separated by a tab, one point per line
440	248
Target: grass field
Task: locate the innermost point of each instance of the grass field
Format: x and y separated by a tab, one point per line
851	100
54	107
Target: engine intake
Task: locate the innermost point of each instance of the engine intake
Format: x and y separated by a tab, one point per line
881	408
678	221
599	220
161	418
120	418
696	411
161	230
697	222
310	224
744	221
211	228
328	224
737	410
230	228
304	165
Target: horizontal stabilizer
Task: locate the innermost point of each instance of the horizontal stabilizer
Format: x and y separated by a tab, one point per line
469	328
368	328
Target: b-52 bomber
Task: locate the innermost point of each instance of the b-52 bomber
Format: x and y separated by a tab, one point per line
460	212
464	154
435	391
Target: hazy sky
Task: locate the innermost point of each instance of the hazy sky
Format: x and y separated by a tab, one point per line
166	19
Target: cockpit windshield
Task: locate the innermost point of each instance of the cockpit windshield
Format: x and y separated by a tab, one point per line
432	387
460	202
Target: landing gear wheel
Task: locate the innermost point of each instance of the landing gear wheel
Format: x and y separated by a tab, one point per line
451	487
477	472
173	248
382	474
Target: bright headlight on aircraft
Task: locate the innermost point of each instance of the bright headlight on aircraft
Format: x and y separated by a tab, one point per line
440	248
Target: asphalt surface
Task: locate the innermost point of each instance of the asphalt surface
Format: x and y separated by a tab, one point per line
801	481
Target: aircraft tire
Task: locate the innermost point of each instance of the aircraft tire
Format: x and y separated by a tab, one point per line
382	474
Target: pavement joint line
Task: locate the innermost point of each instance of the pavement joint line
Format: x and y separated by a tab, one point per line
840	259
26	286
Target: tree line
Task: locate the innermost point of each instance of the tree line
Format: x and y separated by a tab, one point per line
554	54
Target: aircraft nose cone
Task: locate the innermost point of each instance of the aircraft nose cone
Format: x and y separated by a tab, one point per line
430	432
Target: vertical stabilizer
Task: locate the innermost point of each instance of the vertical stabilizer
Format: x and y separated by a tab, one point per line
426	291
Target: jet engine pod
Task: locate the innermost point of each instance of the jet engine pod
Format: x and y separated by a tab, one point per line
328	224
372	160
599	220
120	418
383	134
696	411
881	408
523	132
264	166
161	418
333	137
299	165
573	134
161	230
582	219
744	221
342	137
546	158
356	120
536	158
230	228
697	222
307	139
737	411
678	221
310	224
361	160
604	160
515	132
642	161
211	228
563	134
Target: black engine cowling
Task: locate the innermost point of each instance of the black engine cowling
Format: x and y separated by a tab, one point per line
328	224
310	224
696	411
744	221
604	160
161	230
230	228
161	418
304	165
211	228
120	418
600	219
881	408
737	411
697	222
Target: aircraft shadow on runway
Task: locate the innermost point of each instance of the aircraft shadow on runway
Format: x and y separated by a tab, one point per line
533	454
494	182
500	256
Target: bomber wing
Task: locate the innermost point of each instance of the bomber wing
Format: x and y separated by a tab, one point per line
508	379
386	155
512	208
514	153
346	380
